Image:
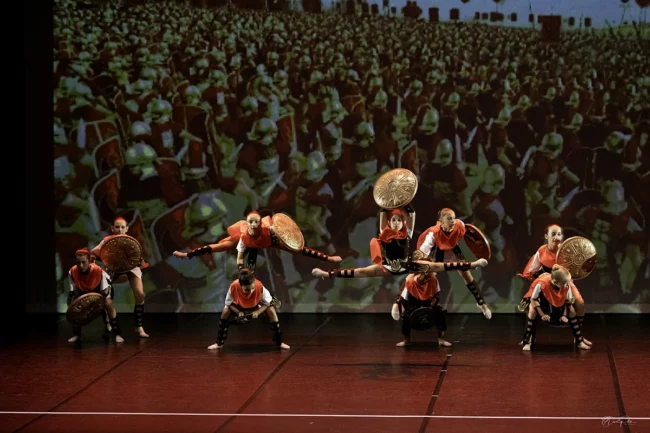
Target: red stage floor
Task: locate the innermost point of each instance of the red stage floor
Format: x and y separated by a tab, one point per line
342	374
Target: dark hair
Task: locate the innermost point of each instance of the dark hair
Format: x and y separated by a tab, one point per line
551	225
246	277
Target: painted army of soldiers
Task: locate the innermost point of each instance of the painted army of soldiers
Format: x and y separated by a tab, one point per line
184	119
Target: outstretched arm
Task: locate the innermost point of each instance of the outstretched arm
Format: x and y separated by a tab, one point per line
410	218
382	219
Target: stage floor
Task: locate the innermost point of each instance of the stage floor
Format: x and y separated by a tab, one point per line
343	373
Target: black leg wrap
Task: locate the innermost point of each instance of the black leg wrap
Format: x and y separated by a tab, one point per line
315	254
473	287
460	266
277	334
222	334
406	327
139	313
529	332
200	251
440	318
115	326
342	273
581	320
76	330
576	329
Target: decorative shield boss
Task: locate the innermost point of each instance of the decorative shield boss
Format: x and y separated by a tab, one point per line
578	255
422	319
395	188
85	309
477	242
121	253
288	232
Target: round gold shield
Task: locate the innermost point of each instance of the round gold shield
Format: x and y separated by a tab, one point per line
477	242
288	232
395	188
85	309
121	253
578	255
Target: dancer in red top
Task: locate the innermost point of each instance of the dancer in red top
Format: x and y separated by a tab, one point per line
120	227
551	295
87	277
248	236
542	262
420	290
441	243
247	297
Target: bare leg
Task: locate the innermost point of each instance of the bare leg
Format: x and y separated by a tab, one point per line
275	328
373	270
224	245
222	334
138	293
112	316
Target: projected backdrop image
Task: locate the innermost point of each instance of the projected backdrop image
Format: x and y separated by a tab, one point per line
183	119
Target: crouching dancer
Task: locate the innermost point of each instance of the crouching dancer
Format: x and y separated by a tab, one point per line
247	297
551	299
420	291
87	277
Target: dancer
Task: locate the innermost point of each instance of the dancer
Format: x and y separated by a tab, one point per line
542	262
134	276
550	298
391	251
248	236
259	234
87	277
247	297
441	243
420	290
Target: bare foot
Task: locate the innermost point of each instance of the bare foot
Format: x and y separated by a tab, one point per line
119	339
141	333
284	346
73	339
444	343
335	259
486	311
395	312
214	346
180	255
403	343
317	272
526	347
480	263
582	345
587	342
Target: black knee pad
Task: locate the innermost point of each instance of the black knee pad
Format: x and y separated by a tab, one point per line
277	334
440	318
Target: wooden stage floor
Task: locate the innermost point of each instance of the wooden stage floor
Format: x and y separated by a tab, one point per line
343	373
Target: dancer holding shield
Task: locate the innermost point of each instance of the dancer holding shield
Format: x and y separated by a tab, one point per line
440	242
122	254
